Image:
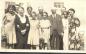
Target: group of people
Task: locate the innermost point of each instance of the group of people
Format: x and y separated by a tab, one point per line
38	31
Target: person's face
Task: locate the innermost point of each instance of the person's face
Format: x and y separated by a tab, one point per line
63	9
53	11
44	15
33	15
65	14
21	11
40	10
29	10
11	10
76	21
71	13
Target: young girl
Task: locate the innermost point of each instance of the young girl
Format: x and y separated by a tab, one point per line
45	30
33	39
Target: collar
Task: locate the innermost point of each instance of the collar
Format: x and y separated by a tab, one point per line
20	16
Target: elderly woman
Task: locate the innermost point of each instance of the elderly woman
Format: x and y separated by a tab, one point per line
22	27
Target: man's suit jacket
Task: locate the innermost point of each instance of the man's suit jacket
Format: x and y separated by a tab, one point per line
56	23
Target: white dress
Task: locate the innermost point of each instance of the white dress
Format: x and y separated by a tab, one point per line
33	37
65	35
45	30
10	29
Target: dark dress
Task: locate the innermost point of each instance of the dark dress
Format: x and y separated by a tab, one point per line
72	34
21	38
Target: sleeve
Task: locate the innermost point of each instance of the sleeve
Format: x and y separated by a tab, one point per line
17	25
49	21
49	24
38	24
3	26
4	20
77	22
60	24
27	24
49	18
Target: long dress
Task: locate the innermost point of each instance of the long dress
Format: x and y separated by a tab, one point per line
45	30
74	40
21	38
65	35
9	28
33	38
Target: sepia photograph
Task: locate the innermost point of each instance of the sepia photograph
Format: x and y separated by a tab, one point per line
43	25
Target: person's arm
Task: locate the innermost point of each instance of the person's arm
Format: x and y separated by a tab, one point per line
3	26
4	20
27	24
50	19
77	22
61	25
16	22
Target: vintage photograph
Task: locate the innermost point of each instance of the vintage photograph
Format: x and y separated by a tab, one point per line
43	25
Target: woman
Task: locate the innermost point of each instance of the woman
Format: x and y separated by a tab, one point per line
74	24
9	27
29	12
22	27
45	30
33	38
66	29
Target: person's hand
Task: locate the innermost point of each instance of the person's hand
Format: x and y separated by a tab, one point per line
27	25
62	34
23	31
17	26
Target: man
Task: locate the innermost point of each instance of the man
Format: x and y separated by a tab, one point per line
40	14
63	9
56	31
